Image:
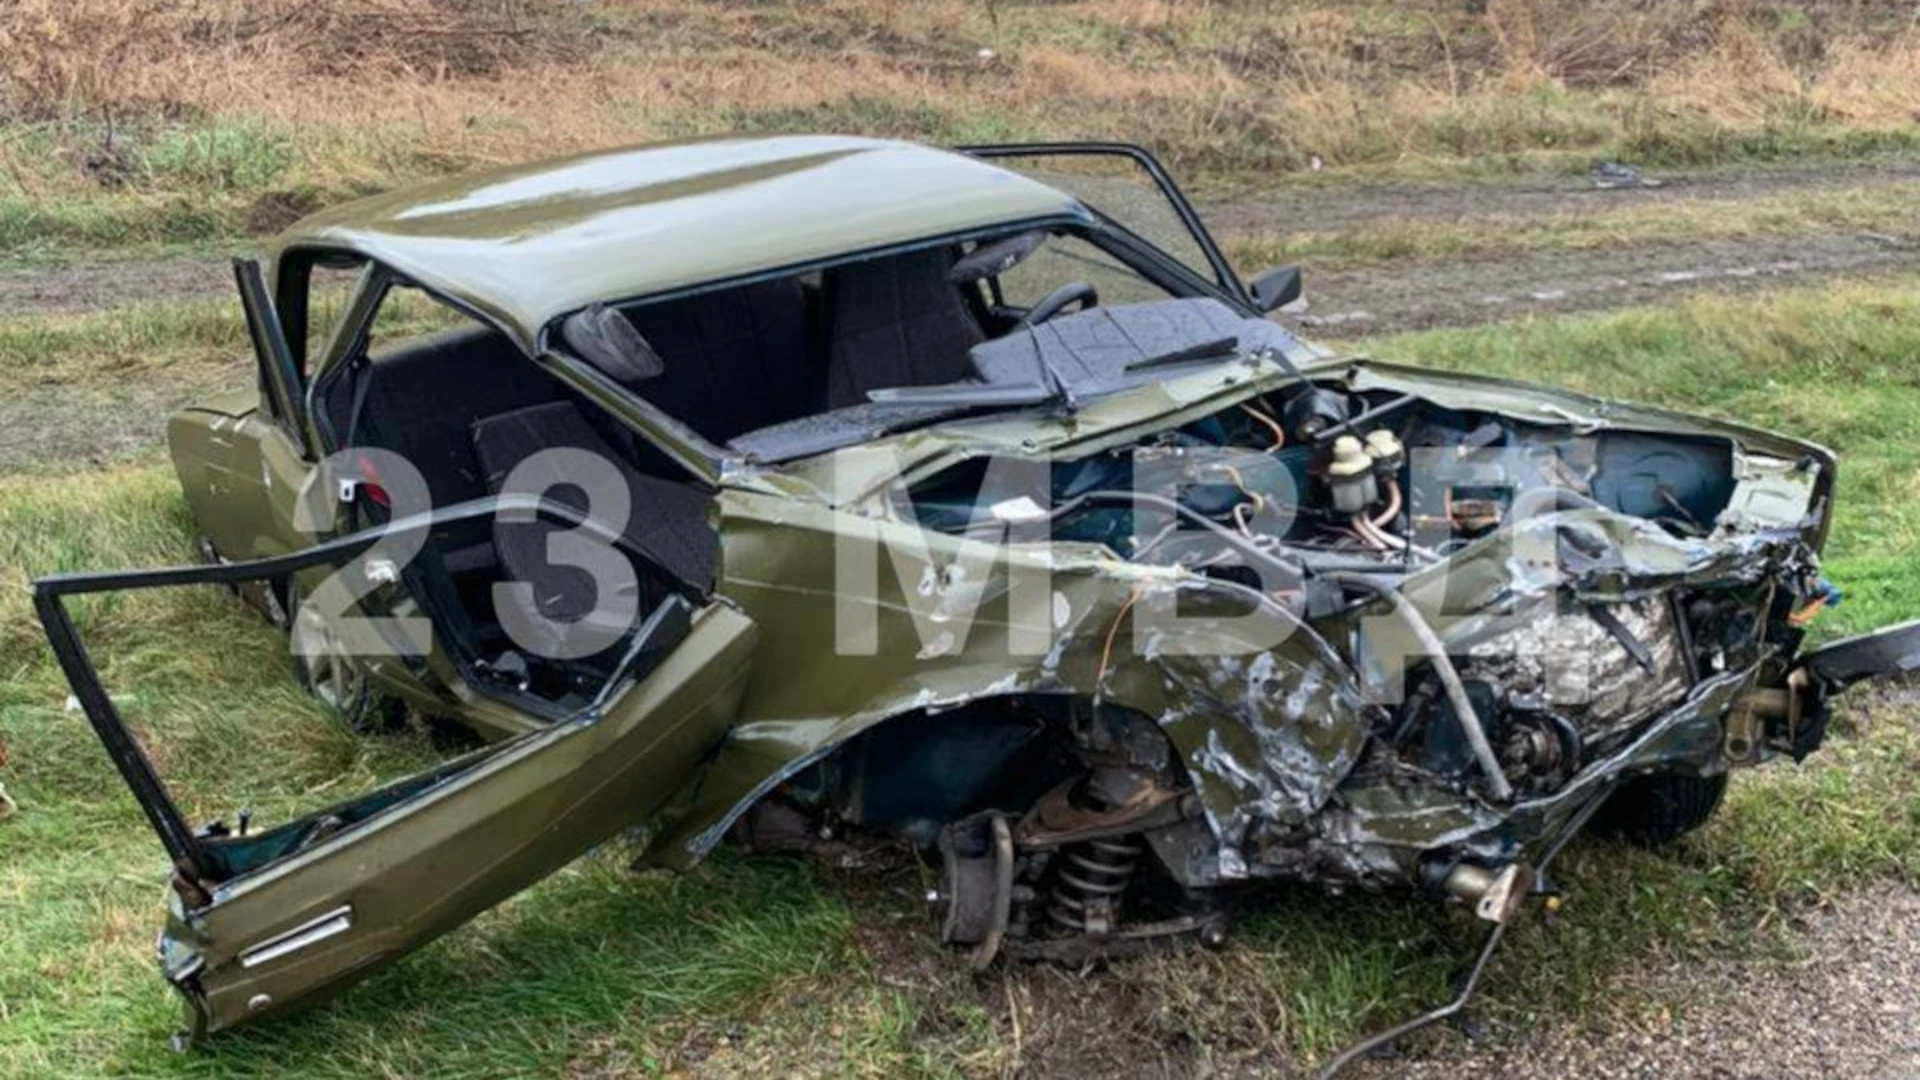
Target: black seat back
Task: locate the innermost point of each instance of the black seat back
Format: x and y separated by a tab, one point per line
423	397
896	321
668	520
736	359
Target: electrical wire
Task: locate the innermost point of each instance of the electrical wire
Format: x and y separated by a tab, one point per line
1279	433
1106	650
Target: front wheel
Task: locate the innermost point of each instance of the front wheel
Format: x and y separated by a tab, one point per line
1654	811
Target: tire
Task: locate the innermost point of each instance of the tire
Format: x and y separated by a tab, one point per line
338	680
1654	811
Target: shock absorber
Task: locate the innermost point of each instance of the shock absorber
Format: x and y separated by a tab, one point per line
1088	885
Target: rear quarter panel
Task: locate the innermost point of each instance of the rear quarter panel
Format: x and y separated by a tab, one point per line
241	477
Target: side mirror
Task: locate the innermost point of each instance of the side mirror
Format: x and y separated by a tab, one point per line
1276	288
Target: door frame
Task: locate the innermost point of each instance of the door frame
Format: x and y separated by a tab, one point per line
1225	277
280	381
184	847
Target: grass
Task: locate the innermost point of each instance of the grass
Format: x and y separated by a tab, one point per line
755	967
134	122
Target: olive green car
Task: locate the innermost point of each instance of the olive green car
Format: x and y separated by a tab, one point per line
831	494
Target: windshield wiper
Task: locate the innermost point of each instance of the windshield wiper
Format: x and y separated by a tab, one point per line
1217	349
965	395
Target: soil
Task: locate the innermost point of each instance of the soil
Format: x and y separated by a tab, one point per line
94	286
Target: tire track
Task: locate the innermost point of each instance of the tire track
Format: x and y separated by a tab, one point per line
1466	293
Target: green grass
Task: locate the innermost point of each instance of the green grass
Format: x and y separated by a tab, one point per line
773	967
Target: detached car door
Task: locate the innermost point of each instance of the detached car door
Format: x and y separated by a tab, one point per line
261	922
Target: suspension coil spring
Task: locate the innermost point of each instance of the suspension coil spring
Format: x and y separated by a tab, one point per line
1092	875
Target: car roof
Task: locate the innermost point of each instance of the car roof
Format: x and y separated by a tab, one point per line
525	244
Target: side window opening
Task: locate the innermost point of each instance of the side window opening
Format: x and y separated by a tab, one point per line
469	416
220	817
408	314
330	287
213	778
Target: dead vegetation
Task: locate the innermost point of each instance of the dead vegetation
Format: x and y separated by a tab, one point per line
301	101
134	58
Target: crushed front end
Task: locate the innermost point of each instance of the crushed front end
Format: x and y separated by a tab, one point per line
1499	611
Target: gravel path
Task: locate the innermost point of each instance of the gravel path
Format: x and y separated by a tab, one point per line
1847	1009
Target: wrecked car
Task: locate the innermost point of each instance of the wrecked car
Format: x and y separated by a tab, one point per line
812	492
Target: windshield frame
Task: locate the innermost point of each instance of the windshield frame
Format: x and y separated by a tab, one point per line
681	442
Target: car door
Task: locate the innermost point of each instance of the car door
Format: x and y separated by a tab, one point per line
280	382
1131	190
261	922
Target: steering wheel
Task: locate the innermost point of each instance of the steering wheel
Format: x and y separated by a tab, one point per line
1073	292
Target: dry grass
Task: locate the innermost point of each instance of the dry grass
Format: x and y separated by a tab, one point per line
131	58
296	101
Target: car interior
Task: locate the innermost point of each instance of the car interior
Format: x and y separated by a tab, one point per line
726	363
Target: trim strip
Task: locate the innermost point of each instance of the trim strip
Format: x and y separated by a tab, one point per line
312	932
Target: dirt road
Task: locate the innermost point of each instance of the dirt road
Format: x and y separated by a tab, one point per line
1363	302
1346	303
1464	292
96	286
